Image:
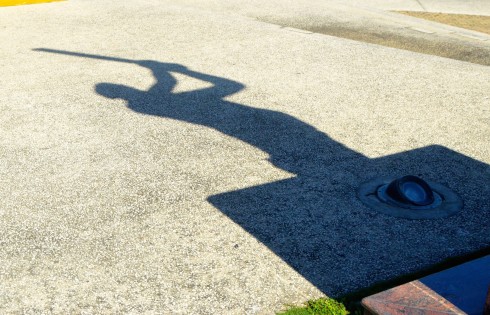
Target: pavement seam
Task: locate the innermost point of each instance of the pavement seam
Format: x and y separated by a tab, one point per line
421	5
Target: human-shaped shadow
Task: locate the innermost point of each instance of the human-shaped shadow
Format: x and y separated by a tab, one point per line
314	220
292	145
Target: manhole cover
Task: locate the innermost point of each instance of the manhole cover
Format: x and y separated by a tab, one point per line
410	197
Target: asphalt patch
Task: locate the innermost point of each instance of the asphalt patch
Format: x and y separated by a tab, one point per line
407	39
479	23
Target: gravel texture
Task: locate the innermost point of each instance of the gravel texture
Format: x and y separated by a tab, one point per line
214	167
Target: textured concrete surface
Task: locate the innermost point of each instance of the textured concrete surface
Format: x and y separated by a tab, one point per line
213	169
474	7
357	21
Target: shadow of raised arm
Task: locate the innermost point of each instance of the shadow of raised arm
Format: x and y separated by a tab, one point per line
165	82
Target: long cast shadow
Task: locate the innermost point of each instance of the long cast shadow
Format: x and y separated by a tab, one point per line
314	220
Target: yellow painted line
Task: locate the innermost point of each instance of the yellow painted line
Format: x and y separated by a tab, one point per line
6	3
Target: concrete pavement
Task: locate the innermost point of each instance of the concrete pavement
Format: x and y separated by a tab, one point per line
472	7
360	22
213	168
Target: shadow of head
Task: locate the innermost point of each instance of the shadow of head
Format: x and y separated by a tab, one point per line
115	91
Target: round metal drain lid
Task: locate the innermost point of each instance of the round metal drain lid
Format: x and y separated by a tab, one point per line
410	197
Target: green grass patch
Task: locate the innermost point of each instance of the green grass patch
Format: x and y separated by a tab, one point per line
322	306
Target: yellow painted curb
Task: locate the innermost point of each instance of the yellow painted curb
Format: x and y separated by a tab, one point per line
6	3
